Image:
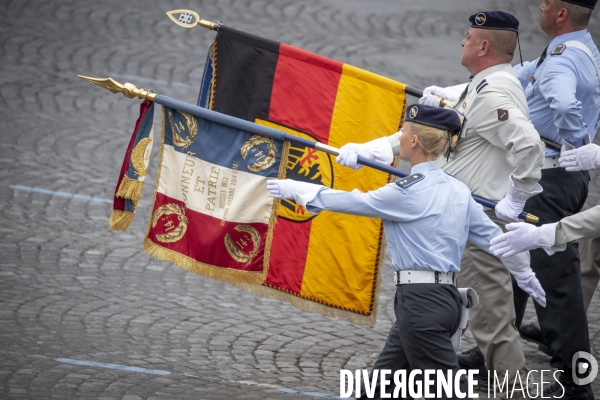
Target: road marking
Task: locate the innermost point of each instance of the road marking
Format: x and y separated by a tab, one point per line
161	372
113	366
290	391
61	194
140	79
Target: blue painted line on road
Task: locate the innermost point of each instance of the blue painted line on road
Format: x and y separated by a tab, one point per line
61	194
112	366
140	79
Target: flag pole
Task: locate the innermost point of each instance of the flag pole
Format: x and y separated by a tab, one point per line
131	91
191	19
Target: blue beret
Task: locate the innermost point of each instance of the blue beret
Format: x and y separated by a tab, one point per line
440	118
583	3
497	20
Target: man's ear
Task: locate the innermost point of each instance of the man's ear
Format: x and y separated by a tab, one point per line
484	48
562	15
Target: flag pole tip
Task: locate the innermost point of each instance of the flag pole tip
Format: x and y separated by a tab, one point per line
128	90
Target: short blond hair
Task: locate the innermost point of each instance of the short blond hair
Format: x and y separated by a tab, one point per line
434	141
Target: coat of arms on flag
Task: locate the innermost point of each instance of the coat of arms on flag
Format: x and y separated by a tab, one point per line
212	213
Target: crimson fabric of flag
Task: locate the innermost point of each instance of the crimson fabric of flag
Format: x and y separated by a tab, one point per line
133	170
328	263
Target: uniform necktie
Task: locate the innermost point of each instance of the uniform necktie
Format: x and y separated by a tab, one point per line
542	57
463	95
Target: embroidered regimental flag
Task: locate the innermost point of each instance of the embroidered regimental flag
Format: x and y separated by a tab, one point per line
212	212
329	263
133	170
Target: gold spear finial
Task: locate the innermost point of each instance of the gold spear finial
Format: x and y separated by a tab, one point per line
129	90
191	19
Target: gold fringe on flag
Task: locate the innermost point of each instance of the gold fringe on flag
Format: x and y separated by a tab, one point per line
120	220
210	271
189	264
315	306
130	189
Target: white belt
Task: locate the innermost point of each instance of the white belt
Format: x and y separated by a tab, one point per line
551	162
408	277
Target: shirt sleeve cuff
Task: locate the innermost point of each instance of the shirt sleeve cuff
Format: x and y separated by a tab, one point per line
522	194
547	239
307	194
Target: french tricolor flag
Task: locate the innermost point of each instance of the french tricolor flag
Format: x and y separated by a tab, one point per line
212	213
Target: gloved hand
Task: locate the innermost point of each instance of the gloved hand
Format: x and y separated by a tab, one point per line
301	192
523	237
509	208
349	153
530	285
584	158
520	237
376	150
431	93
518	265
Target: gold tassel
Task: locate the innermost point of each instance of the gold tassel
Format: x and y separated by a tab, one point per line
210	271
120	220
130	189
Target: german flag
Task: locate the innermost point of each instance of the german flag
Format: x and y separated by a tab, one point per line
328	263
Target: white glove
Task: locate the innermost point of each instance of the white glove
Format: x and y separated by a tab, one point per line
584	158
301	192
349	153
376	150
509	208
524	237
432	94
530	285
518	265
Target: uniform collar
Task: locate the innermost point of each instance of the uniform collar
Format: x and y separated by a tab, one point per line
424	167
565	37
481	76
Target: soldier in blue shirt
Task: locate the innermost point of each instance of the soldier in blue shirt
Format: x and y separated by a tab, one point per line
428	218
563	94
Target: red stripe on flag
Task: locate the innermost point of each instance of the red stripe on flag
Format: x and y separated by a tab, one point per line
204	238
304	91
288	255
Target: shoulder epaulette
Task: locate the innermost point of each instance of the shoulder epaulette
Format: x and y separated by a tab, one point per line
558	50
481	85
409	180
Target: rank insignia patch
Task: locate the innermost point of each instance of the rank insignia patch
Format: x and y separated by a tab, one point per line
409	180
502	115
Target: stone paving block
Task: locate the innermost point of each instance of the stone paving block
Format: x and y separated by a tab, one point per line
70	288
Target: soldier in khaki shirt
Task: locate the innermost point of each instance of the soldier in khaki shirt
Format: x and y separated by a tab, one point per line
498	156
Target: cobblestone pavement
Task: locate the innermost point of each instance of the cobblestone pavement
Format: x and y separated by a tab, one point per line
70	289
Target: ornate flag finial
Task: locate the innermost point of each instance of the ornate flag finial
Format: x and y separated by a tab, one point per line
190	19
129	90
